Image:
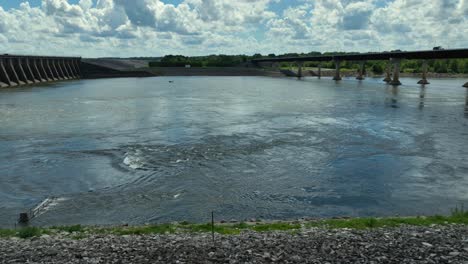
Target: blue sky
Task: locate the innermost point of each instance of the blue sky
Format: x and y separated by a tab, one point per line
198	27
7	4
277	7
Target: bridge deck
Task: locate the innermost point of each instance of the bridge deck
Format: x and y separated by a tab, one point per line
425	54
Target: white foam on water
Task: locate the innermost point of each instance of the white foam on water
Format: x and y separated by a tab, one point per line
47	205
133	162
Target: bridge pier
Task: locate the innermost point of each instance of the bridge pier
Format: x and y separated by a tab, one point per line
388	74
319	70
361	70
337	76
424	81
299	69
396	72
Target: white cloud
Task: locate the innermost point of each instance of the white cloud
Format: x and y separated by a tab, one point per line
194	27
356	15
348	25
232	13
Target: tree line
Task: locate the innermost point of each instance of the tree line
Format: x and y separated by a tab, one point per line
378	67
202	61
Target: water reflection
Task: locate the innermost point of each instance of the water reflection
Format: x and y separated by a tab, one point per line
466	104
422	96
392	97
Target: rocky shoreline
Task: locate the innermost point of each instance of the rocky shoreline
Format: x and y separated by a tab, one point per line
404	244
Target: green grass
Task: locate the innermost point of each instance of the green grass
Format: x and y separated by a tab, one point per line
458	216
7	233
29	232
281	226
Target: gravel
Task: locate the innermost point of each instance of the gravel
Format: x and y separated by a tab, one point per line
436	244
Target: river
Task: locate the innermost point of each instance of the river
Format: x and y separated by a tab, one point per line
150	150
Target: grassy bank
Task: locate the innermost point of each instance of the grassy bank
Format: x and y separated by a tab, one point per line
78	231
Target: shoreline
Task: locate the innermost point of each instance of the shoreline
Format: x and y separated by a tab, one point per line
458	217
363	240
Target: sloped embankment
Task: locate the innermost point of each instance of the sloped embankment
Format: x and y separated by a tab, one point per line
111	68
405	244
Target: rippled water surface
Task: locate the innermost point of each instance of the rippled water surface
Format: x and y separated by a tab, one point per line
148	150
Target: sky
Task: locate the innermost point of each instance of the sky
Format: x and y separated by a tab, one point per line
128	28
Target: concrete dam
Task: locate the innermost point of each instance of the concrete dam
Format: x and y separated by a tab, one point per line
18	70
23	70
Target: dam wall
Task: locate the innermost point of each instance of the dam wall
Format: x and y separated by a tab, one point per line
105	68
18	70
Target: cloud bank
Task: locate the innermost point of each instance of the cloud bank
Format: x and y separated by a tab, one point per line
197	27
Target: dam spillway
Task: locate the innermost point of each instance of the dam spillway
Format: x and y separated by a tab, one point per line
18	70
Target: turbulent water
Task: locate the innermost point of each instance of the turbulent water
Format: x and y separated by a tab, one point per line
148	150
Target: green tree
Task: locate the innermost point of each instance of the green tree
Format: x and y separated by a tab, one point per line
454	66
440	66
377	69
257	56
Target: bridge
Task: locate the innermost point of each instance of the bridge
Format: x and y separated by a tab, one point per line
18	70
394	59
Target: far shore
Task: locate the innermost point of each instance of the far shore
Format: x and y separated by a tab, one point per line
246	71
111	68
212	71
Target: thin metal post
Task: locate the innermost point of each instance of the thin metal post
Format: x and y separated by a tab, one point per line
212	226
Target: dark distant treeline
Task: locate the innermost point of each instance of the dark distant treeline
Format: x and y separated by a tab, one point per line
205	61
378	67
